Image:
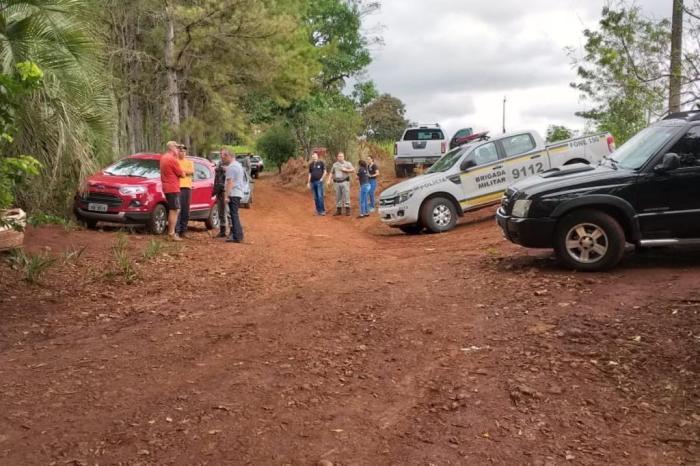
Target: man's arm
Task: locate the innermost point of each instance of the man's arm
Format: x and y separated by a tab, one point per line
190	170
177	169
229	185
348	168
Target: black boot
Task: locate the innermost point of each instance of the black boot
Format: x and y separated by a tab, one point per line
337	212
347	211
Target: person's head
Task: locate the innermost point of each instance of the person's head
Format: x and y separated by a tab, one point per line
314	157
173	147
182	151
225	157
370	159
363	163
340	157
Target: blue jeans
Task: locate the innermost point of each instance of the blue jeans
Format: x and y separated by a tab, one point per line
236	227
364	198
317	190
372	192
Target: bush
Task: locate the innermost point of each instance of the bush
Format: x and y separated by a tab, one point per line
277	145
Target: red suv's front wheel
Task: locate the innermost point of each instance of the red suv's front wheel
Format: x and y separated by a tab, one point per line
158	222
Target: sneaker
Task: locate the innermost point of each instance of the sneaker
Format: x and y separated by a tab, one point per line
222	234
338	211
347	211
230	240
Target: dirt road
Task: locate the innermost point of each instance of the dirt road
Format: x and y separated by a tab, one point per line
338	339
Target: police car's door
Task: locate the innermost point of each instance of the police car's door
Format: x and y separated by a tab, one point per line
521	158
483	176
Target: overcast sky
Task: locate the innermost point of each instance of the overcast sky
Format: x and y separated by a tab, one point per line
452	61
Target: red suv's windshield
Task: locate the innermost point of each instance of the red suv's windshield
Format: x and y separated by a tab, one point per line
142	168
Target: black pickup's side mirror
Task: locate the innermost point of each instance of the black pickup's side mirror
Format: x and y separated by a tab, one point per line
467	164
670	162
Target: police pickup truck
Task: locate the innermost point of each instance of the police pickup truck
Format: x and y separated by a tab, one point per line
419	146
475	175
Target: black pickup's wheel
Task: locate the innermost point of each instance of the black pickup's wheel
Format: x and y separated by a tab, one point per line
589	241
438	215
413	229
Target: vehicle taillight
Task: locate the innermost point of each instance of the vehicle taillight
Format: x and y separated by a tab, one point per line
396	148
443	147
611	144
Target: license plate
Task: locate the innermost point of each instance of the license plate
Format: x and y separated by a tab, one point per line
97	207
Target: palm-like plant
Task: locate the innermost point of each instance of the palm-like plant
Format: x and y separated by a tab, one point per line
65	123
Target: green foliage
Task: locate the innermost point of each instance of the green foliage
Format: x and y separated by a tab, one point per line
64	121
363	93
623	71
14	171
384	119
125	267
336	128
277	145
558	133
41	218
335	30
32	266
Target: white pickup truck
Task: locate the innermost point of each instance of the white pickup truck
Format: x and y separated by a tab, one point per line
419	146
475	175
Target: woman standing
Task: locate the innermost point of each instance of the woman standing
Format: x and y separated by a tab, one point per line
363	176
373	171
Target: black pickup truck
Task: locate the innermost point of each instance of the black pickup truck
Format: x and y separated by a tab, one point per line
647	193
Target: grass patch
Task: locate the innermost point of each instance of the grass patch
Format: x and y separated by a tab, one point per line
73	255
125	267
32	266
40	219
154	248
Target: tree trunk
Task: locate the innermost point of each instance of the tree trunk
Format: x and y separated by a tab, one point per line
674	99
170	66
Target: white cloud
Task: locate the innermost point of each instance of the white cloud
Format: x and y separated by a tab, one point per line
452	61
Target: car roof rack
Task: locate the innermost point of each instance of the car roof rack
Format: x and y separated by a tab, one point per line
690	115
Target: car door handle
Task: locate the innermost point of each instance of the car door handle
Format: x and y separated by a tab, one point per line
497	167
536	156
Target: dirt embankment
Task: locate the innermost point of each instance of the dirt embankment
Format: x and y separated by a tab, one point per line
340	340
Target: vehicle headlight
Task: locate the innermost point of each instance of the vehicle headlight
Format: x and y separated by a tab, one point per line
404	196
131	190
521	208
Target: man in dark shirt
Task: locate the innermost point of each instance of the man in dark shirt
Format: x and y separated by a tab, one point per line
219	192
317	172
373	170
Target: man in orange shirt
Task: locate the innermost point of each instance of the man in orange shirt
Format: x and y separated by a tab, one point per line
170	174
187	167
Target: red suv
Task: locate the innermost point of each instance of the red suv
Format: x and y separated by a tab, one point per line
129	191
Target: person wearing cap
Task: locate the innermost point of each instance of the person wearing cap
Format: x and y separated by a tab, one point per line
187	167
340	176
220	192
170	174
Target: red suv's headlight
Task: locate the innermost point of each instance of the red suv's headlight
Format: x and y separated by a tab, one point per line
131	190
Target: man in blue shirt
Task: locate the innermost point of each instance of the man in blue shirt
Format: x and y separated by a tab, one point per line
235	187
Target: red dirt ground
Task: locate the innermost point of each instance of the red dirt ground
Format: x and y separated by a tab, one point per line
340	341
